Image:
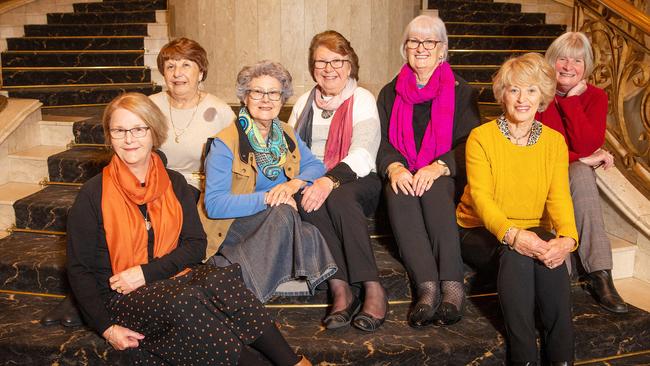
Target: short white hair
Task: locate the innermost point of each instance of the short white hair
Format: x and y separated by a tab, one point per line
427	25
574	45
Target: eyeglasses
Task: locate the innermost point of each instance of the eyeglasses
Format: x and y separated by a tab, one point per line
336	64
120	133
273	95
413	44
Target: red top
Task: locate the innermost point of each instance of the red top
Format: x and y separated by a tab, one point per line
581	119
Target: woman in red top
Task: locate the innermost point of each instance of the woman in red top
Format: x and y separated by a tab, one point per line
579	112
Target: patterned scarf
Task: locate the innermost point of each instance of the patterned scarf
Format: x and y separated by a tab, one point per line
437	137
270	155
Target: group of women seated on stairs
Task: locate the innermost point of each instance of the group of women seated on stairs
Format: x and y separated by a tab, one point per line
177	273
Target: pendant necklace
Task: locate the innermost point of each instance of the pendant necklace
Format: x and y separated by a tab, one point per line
178	132
147	222
527	133
326	114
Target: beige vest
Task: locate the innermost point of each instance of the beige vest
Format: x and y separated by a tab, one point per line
244	177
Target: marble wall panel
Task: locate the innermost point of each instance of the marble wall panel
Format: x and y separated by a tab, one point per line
238	33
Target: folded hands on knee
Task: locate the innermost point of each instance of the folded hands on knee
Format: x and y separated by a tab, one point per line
401	179
314	196
552	253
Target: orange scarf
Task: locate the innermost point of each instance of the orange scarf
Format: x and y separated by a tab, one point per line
126	234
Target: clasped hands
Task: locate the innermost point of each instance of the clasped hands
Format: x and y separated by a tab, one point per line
552	253
313	196
401	179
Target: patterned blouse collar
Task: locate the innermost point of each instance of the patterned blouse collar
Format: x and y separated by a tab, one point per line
535	131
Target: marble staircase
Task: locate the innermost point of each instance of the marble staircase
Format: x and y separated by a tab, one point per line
32	278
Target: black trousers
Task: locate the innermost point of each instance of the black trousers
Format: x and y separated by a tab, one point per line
524	283
342	220
426	233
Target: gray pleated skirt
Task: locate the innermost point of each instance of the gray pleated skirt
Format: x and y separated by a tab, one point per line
275	247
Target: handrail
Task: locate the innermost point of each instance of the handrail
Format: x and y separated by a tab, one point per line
9	5
626	10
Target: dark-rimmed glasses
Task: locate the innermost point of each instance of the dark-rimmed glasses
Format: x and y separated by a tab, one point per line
336	64
273	95
429	44
120	133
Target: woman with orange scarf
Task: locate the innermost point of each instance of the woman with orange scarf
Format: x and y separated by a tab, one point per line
135	245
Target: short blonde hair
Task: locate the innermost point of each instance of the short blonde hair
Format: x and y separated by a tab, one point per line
140	105
528	69
425	24
574	45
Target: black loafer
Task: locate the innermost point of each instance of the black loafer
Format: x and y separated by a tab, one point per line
343	317
601	287
54	316
369	323
447	314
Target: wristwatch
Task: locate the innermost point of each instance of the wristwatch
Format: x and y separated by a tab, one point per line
444	165
337	183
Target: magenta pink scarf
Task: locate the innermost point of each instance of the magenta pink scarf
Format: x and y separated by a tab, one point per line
437	137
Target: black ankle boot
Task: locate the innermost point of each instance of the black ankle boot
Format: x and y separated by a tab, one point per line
65	313
601	287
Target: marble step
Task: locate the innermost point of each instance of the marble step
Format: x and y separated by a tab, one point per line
72	59
476	73
82	43
473	5
9	193
53	30
57	130
483	56
89	131
623	257
77	164
30	165
504	29
114	6
46	209
81	94
75	75
149	16
449	15
484	91
483	42
477	339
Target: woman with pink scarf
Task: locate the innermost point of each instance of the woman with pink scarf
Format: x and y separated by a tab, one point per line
338	121
426	113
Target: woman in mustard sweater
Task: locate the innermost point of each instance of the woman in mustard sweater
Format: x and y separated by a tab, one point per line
518	190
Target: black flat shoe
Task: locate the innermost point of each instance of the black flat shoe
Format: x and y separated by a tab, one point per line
343	317
369	323
448	314
601	287
421	315
65	313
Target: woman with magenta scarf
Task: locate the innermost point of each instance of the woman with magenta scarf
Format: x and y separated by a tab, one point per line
426	114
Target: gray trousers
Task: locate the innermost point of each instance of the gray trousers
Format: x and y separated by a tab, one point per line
595	250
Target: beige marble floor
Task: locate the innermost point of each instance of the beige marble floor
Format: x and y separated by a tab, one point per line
635	292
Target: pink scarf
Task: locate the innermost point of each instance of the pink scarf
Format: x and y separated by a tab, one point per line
437	137
339	137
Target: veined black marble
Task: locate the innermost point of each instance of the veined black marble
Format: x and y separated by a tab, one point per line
480	58
36	59
477	75
473	5
80	95
95	43
120	6
485	93
476	340
33	263
78	164
89	131
51	30
46	209
102	18
492	43
70	77
490	17
505	29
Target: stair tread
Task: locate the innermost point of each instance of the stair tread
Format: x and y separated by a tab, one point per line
478	338
13	191
40	152
620	244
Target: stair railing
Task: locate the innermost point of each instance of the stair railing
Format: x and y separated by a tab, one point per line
620	36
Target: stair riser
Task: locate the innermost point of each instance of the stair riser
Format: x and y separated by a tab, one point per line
480	58
506	29
102	18
482	76
80	59
98	43
120	6
489	17
7	216
81	96
474	6
475	43
56	134
13	78
27	170
52	30
77	165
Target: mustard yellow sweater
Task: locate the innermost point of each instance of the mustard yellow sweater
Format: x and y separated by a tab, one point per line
521	186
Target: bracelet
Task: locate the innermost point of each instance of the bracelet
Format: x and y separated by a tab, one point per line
110	334
503	241
514	241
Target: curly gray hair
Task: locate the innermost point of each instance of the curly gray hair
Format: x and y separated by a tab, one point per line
262	68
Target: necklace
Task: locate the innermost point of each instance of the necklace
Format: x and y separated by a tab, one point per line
147	222
517	138
178	132
326	114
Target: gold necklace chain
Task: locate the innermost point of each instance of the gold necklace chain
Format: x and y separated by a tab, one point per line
178	134
526	134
